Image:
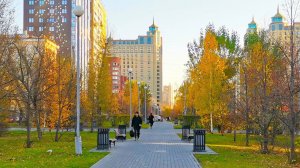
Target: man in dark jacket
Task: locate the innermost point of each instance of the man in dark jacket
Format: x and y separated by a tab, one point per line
136	124
151	120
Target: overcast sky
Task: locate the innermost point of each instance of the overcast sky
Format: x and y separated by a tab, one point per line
180	22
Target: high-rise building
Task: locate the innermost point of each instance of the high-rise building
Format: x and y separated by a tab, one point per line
55	19
252	27
51	18
144	56
280	29
167	96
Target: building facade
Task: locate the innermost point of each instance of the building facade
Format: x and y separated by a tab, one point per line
167	96
252	27
51	18
115	70
144	56
55	19
279	29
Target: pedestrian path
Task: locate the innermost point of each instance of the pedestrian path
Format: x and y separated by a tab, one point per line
159	147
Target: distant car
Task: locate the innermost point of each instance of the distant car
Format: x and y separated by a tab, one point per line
157	118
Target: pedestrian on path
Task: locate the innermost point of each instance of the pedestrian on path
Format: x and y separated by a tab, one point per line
151	120
136	124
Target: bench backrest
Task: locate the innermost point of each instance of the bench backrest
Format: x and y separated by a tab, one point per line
122	129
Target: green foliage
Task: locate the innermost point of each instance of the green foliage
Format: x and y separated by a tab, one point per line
106	124
177	126
120	119
191	120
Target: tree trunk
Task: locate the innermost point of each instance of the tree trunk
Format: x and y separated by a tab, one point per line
28	127
58	127
292	156
265	142
234	135
37	121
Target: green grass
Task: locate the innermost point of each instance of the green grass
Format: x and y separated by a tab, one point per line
177	126
145	126
236	155
14	154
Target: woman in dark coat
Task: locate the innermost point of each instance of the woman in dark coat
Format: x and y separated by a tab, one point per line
151	120
136	124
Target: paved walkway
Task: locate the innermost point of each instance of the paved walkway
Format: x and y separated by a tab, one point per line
159	147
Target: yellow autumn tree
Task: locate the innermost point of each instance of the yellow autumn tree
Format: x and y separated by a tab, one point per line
210	80
134	94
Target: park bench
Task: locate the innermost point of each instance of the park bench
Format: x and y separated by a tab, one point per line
112	141
121	132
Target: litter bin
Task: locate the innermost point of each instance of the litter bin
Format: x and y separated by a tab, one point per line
185	132
103	139
199	140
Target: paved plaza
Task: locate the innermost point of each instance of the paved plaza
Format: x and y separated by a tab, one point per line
159	147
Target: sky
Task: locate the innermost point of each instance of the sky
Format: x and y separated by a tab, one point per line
180	22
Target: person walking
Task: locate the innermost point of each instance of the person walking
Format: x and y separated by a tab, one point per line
136	124
151	120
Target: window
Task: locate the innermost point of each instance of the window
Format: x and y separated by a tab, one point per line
51	11
31	11
64	20
51	20
64	2
42	2
41	20
31	2
41	29
64	11
114	77
51	29
30	28
51	2
30	20
41	11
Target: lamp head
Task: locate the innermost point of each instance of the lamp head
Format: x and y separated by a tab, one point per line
78	11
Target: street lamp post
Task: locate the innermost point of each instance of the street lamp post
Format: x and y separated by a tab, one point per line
130	105
78	11
146	88
139	83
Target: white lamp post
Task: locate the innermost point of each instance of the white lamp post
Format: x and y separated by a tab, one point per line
146	89
130	106
78	11
139	83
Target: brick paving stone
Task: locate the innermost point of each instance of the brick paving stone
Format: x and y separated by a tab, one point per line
159	147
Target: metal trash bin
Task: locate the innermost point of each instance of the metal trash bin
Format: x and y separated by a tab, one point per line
122	132
176	121
185	132
199	140
103	139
